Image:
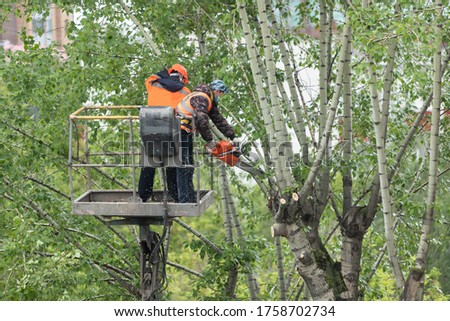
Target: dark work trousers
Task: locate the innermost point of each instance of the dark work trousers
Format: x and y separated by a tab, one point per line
146	182
186	192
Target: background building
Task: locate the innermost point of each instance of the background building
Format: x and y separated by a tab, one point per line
44	29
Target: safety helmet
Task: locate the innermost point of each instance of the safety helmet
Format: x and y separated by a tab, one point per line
181	70
219	85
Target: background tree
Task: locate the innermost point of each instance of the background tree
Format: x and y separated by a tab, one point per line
328	164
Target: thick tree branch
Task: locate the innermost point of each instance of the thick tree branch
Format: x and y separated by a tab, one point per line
331	115
146	35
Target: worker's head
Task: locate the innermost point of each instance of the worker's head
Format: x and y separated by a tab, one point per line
181	71
204	88
219	85
219	88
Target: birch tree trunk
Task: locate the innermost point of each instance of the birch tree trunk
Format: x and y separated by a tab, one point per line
313	262
231	283
294	108
388	79
262	99
283	144
251	279
370	211
381	179
415	283
305	257
280	268
323	67
351	225
201	36
330	117
324	58
384	183
347	133
353	234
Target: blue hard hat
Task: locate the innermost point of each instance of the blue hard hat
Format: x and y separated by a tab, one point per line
219	85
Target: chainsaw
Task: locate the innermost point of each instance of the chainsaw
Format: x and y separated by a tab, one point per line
231	155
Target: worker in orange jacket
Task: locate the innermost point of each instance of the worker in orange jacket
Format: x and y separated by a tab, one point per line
166	88
195	110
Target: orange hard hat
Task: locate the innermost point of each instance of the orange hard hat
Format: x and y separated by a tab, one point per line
181	70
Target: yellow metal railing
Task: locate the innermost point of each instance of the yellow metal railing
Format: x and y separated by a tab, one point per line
76	115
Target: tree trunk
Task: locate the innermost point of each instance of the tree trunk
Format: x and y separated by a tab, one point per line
323	67
251	279
384	183
265	108
415	283
281	138
353	225
352	228
315	276
231	283
323	185
295	112
347	180
381	178
280	268
353	235
323	147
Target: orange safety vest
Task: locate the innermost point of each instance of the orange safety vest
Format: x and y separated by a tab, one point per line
185	109
158	96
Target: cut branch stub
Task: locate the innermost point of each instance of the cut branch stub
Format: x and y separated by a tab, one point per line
288	207
305	258
281	209
279	229
293	205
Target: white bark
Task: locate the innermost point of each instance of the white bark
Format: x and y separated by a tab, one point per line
262	99
380	126
281	137
416	285
231	208
324	60
388	79
384	183
347	133
225	206
304	257
323	68
330	117
146	35
280	268
294	108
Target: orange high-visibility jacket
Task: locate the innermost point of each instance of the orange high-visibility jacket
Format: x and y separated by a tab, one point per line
159	96
186	110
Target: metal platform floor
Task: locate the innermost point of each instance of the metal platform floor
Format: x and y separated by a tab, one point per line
122	203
